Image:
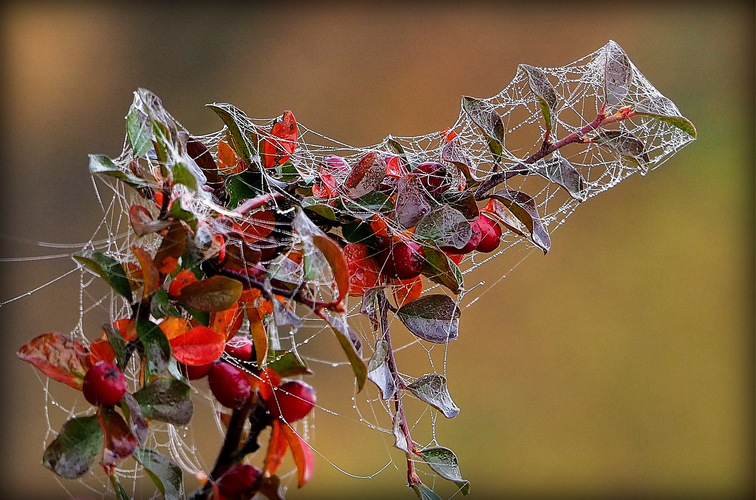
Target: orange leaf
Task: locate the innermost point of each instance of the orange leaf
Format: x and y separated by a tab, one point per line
405	291
228	162
269	379
174	327
57	356
101	350
150	273
171	248
198	346
259	336
278	149
277	447
183	278
227	321
127	328
302	453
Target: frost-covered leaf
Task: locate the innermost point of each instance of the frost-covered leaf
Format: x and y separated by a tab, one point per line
166	400
446	226
163	471
108	269
433	390
543	90
216	293
366	176
57	356
411	205
452	153
101	164
618	73
434	318
484	115
425	493
444	462
664	109
524	208
623	143
74	450
378	370
561	172
350	343
500	212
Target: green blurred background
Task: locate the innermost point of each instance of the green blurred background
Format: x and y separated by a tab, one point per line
619	364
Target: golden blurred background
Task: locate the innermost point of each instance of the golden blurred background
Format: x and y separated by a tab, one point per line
620	364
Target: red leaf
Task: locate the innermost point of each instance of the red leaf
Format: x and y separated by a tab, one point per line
277	447
183	278
367	175
120	443
364	271
257	226
198	346
277	149
101	350
227	321
58	357
142	221
302	453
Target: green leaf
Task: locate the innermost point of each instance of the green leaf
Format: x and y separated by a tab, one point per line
166	400
434	318
75	448
139	132
237	122
118	488
317	206
440	269
101	164
161	306
463	201
118	343
446	226
378	370
444	462
618	73
243	186
524	208
663	109
217	293
133	412
183	175
108	269
368	205
157	349
425	493
287	363
350	343
165	473
543	90
433	390
484	115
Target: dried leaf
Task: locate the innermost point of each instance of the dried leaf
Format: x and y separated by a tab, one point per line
57	356
618	73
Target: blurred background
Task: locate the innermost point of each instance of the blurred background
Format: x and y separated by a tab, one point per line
619	364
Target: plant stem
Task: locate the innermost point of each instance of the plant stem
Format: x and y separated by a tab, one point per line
578	136
400	416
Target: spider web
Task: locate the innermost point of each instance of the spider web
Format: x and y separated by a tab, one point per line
581	95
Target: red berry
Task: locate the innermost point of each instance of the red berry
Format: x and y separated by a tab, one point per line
490	234
104	384
292	401
240	482
434	177
241	348
403	260
229	385
194	372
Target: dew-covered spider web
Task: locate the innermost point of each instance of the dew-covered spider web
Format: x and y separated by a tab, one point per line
507	137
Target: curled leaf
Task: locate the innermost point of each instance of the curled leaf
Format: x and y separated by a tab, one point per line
378	370
366	176
302	453
543	90
624	143
524	208
433	390
561	172
618	73
664	109
350	343
485	116
444	462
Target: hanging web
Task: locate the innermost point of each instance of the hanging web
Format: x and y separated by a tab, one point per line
293	209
